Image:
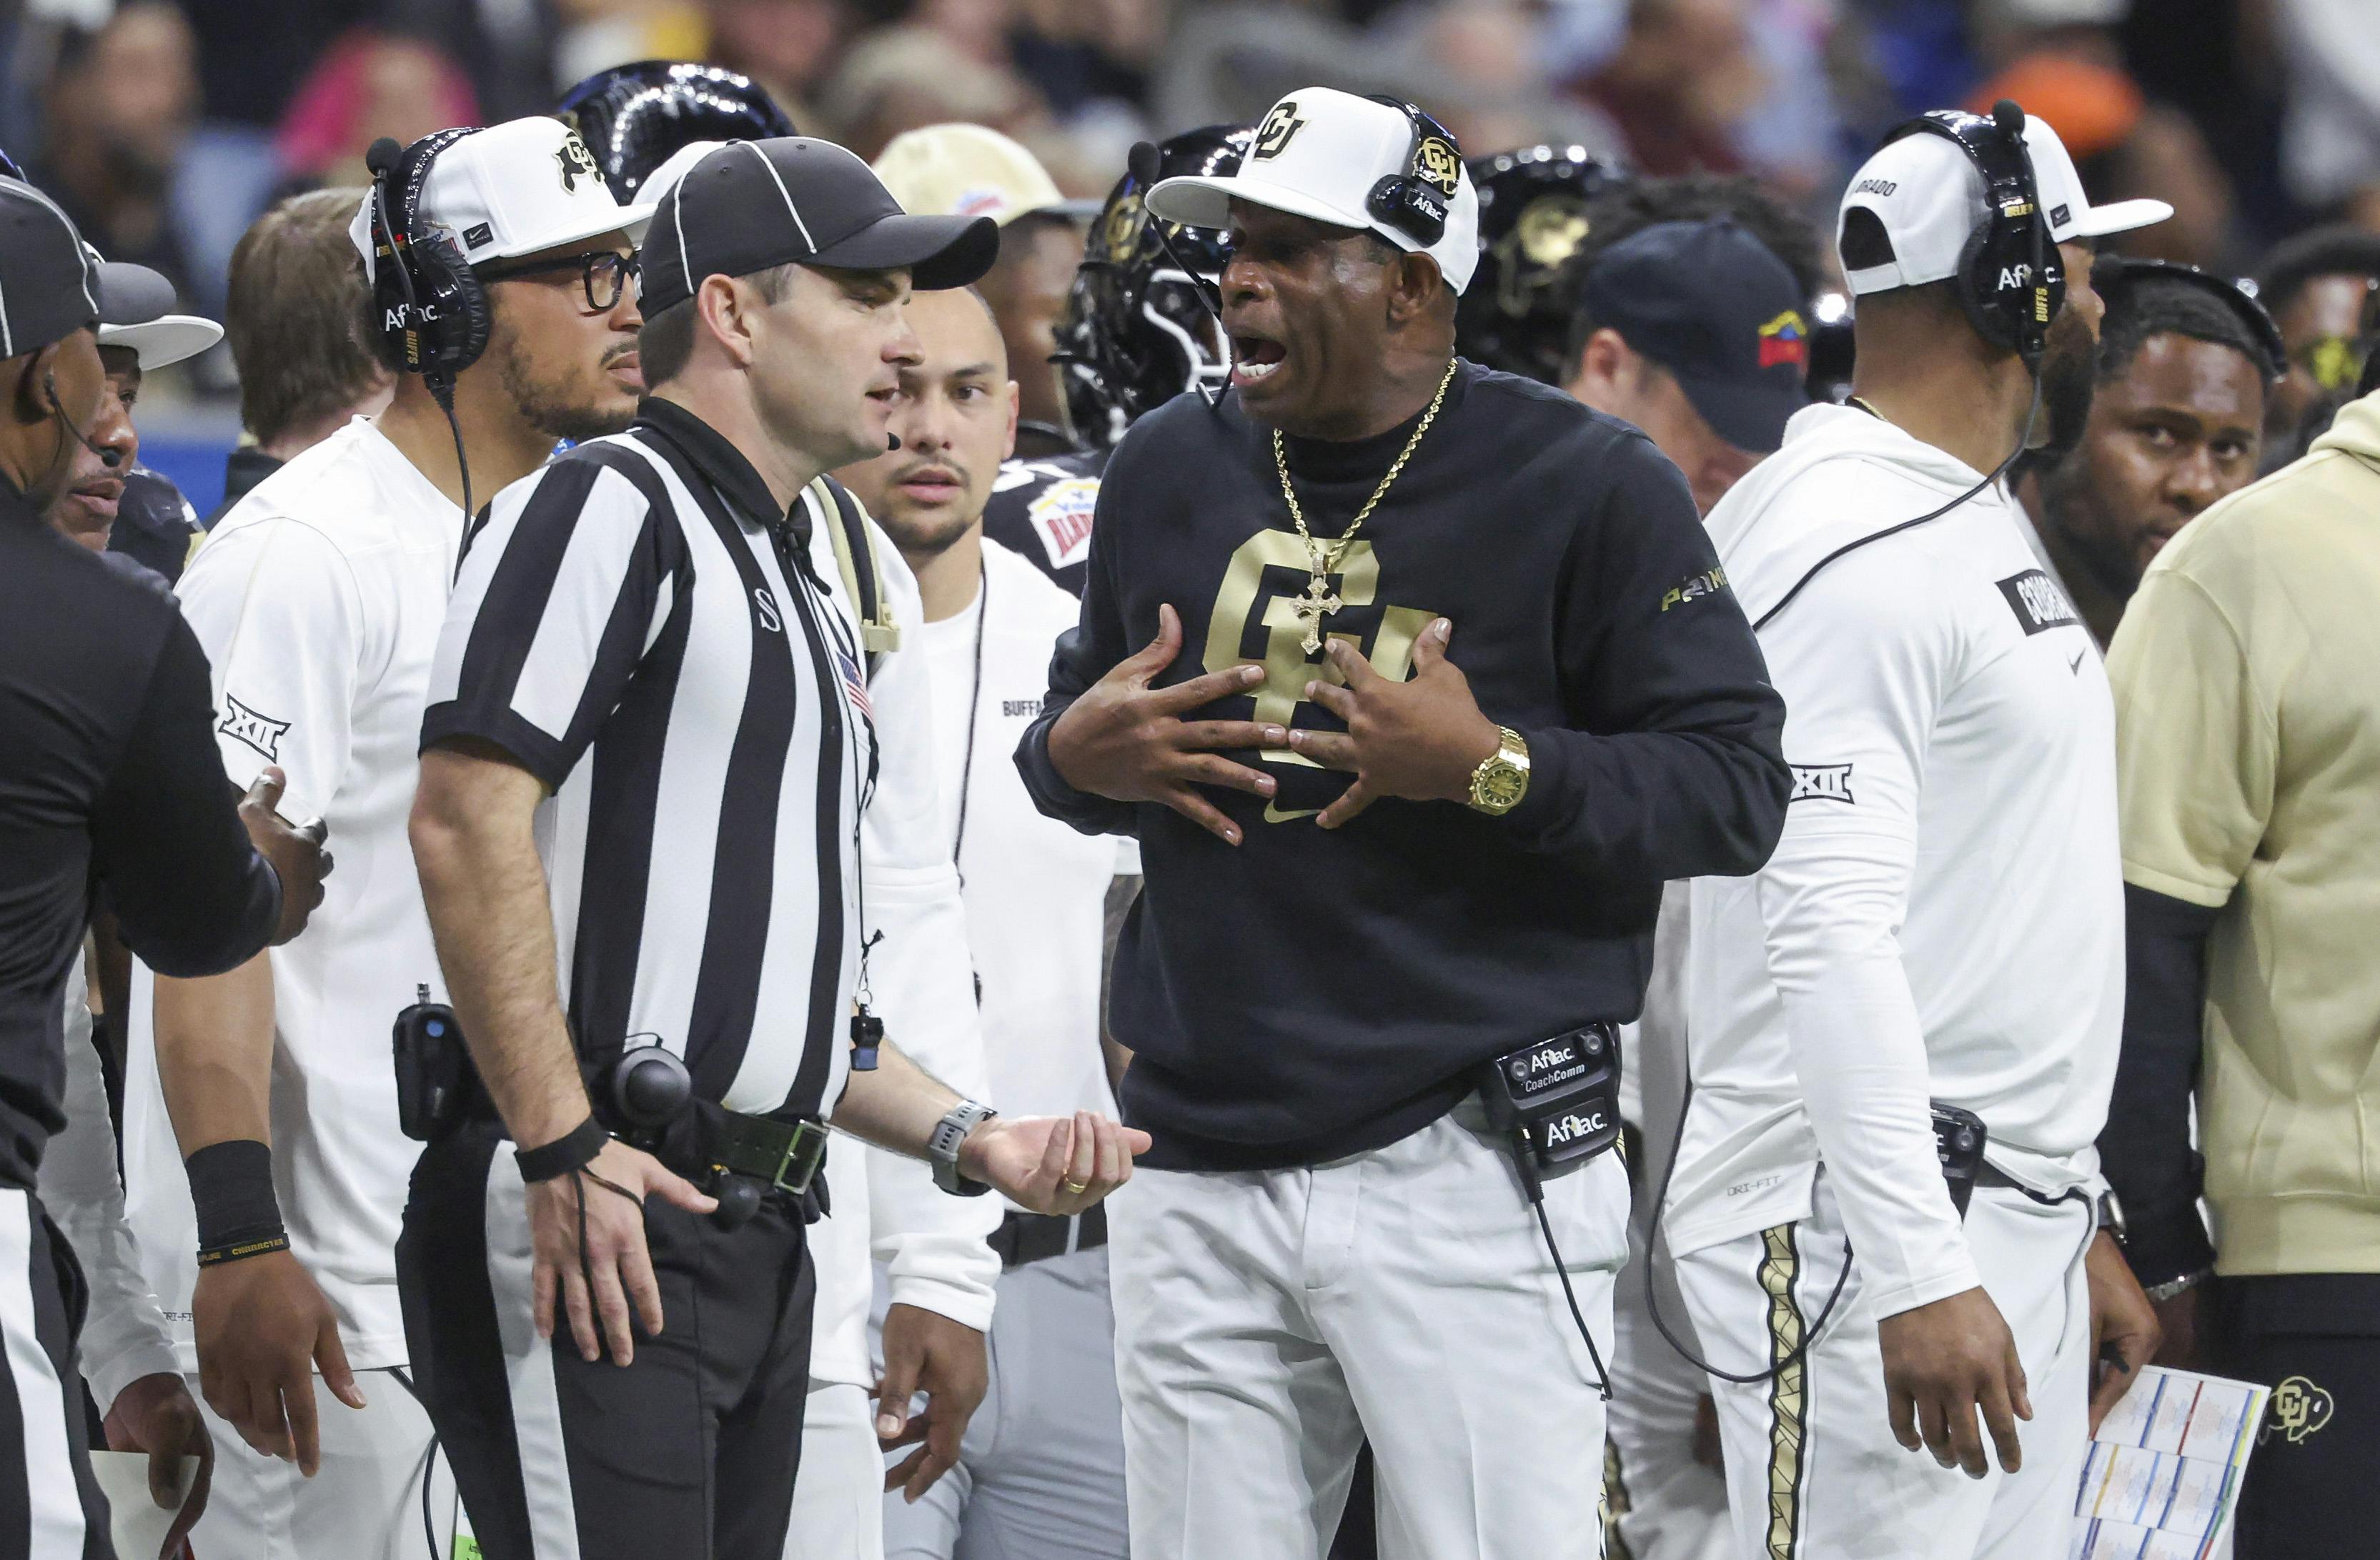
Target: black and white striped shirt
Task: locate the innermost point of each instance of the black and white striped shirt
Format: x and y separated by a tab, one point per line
690	692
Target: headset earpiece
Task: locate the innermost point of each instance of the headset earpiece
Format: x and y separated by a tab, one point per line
2010	284
1417	201
432	309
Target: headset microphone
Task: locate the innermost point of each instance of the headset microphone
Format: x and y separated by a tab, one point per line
1144	164
109	456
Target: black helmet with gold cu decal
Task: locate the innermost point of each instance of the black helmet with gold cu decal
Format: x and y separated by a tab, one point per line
633	116
1533	218
1134	333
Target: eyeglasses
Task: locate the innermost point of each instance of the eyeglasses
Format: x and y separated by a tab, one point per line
602	274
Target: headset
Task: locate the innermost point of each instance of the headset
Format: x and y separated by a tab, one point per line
2010	284
430	307
2112	274
2009	281
1416	203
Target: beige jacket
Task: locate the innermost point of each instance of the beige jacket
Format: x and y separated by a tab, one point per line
2247	681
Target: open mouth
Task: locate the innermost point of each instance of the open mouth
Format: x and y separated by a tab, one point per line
1255	358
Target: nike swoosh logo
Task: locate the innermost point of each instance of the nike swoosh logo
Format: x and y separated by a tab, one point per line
2075	666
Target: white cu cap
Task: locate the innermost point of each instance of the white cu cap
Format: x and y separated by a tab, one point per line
1929	198
511	189
1317	155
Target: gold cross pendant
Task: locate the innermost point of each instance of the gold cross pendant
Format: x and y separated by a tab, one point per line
1318	601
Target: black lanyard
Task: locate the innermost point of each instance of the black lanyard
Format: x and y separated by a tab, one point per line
975	706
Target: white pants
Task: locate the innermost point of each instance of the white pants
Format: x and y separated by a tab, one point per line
1671	1507
1041	1474
365	1504
1813	1470
1268	1320
837	1500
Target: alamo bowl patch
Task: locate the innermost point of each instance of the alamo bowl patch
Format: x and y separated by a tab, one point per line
1062	518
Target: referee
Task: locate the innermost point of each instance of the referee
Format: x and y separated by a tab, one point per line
1317	971
106	772
646	757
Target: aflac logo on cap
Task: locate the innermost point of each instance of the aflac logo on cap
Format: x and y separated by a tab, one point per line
1785	339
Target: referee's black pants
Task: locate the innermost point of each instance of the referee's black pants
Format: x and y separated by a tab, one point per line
50	1503
687	1452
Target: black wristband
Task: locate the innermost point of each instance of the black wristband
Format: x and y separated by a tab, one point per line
231	1190
571	1151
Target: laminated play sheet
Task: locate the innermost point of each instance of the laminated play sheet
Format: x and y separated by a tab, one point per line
2163	1476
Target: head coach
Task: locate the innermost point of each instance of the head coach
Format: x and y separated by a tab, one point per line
1496	611
648	759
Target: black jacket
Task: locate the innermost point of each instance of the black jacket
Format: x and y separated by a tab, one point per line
108	769
1309	994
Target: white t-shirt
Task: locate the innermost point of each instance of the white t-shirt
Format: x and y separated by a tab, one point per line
1034	891
319	601
1943	917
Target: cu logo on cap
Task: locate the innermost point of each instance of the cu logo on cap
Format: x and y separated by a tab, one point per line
1272	135
576	161
1435	162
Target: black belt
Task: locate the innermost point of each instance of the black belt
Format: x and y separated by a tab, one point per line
1025	1238
1991	1177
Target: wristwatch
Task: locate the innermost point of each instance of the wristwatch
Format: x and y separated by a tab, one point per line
1502	778
2160	1293
942	1148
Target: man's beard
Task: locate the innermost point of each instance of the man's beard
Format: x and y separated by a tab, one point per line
2069	372
558	409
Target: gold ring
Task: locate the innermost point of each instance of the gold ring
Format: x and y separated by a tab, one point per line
1077	1187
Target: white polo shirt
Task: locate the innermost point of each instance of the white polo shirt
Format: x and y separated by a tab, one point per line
1035	890
318	600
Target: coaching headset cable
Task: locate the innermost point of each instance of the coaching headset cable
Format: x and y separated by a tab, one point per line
1525	1161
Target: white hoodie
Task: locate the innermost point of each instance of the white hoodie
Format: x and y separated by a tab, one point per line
1943	917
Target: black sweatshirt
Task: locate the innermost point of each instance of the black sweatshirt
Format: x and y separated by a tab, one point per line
2144	1148
108	768
1312	994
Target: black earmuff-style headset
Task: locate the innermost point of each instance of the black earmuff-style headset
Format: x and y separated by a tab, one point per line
432	310
2010	282
1417	201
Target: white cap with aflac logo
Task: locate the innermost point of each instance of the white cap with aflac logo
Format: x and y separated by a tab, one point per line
1929	197
509	191
1321	153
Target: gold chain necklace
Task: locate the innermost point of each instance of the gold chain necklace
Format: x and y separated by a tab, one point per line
1320	600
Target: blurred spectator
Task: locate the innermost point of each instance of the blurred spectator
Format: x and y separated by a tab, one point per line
788	46
368	85
1682	85
2316	286
1078	53
2330	132
2176	424
2121	142
295	292
906	77
966	169
1479	67
118	110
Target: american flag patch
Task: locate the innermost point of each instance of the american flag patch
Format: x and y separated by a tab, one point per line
854	683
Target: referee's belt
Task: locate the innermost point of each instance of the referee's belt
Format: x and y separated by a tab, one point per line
784	1155
1028	1238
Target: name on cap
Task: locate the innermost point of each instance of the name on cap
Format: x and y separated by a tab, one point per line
1875	187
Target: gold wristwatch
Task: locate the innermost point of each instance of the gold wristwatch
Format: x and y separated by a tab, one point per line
1502	778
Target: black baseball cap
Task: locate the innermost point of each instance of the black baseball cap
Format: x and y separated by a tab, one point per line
755	204
49	284
1709	303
